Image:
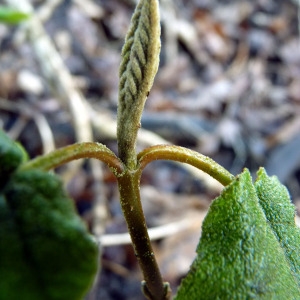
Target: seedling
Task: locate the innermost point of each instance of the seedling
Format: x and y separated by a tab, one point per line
250	245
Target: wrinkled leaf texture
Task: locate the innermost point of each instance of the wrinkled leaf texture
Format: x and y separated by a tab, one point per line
280	213
46	251
249	247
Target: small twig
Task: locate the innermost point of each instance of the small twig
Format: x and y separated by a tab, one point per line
99	210
115	267
45	133
155	233
168	17
54	70
45	12
14	131
40	120
92	9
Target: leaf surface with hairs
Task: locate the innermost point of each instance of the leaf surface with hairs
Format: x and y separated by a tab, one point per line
238	256
46	251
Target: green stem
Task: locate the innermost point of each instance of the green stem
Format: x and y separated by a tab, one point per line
129	188
187	156
81	150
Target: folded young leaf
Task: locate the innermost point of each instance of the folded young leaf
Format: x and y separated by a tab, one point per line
280	212
238	256
140	59
46	251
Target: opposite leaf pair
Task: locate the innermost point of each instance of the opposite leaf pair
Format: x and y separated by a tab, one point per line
250	245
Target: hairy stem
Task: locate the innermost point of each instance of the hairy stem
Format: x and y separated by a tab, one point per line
129	187
81	150
187	156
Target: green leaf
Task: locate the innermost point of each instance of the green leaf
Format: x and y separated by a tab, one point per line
280	212
12	16
11	156
238	256
46	251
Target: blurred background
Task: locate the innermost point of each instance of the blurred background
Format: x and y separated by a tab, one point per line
228	86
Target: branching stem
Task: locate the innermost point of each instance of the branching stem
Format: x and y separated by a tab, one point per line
129	188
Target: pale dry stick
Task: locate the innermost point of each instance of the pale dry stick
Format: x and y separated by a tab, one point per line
239	63
155	233
40	120
285	133
188	35
15	130
100	214
45	12
90	8
168	18
54	71
45	133
116	268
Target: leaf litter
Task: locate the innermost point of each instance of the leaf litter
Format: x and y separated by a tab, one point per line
229	69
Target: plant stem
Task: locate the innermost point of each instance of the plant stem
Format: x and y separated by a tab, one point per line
129	188
187	156
81	150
